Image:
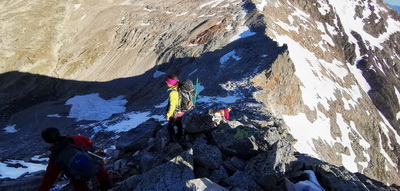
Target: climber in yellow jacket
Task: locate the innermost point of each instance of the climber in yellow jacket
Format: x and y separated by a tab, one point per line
174	115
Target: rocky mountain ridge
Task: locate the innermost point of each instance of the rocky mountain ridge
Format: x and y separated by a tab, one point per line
310	63
215	155
334	40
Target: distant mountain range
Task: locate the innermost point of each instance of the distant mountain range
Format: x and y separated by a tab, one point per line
395	7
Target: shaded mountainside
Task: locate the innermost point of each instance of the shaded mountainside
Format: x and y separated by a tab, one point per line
30	97
315	86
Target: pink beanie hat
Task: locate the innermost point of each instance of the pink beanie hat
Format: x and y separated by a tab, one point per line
171	81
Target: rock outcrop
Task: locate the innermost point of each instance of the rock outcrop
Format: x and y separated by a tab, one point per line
326	52
200	162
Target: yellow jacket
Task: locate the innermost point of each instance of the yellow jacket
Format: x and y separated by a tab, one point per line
173	103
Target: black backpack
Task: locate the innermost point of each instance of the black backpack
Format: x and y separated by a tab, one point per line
186	94
77	162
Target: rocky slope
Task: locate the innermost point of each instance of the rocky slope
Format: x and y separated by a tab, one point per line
323	83
215	155
325	67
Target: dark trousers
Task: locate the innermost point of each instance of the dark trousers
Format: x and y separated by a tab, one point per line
171	123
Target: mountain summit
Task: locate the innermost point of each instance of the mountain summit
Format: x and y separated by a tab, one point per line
323	75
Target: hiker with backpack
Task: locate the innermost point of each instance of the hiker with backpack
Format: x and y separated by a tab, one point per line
225	112
72	155
174	115
180	101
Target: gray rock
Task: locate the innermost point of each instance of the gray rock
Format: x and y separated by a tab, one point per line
172	175
236	141
218	174
242	181
234	164
199	123
172	150
237	163
162	138
137	138
269	168
208	156
269	137
149	160
338	178
119	164
204	184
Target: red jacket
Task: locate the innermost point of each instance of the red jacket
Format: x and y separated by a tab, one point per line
52	171
226	114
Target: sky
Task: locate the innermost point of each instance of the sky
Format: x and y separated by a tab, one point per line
393	2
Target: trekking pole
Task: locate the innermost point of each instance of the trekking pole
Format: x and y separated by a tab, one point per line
195	90
98	156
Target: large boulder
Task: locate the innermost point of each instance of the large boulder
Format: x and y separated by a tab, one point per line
199	123
338	178
236	141
149	160
138	138
269	168
242	181
172	175
218	174
234	164
208	156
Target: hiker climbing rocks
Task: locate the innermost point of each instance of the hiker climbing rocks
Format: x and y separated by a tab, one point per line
71	155
225	112
174	115
220	115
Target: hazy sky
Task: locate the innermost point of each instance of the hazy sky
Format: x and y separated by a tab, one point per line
392	2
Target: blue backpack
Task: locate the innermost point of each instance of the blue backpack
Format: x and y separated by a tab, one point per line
77	162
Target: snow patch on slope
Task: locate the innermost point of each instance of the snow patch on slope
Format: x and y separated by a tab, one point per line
123	123
398	101
346	12
12	172
93	107
10	129
210	100
317	88
230	55
261	4
243	32
305	131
